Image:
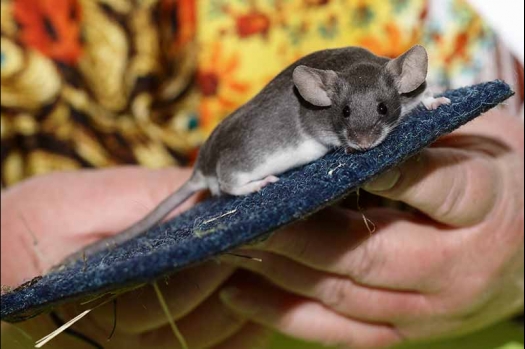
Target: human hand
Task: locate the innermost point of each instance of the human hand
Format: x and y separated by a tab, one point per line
65	211
453	268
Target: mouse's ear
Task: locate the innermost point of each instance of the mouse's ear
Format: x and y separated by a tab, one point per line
314	85
409	69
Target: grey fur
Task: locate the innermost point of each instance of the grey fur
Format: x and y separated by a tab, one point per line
282	115
276	117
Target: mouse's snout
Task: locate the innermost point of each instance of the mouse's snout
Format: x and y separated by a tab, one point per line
365	141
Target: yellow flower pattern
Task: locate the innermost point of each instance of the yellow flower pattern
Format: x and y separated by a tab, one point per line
267	35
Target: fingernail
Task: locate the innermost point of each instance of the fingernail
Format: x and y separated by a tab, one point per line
384	182
235	298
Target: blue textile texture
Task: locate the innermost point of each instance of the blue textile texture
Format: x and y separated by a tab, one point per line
220	224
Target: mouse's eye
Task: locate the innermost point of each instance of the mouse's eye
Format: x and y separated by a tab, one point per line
382	109
346	112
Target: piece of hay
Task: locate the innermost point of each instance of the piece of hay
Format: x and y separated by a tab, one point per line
166	311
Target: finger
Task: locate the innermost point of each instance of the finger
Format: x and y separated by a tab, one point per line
211	323
321	240
302	318
336	292
140	311
251	336
497	129
453	186
384	260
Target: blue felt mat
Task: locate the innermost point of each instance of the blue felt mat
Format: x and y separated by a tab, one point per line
221	224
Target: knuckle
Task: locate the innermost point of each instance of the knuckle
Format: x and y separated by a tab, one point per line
336	293
438	263
473	183
447	208
463	299
456	186
477	295
360	270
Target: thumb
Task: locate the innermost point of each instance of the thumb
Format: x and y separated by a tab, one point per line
120	197
453	186
46	218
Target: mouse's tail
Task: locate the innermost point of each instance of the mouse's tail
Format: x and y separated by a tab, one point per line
192	186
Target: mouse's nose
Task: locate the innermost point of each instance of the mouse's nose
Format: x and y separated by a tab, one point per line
365	141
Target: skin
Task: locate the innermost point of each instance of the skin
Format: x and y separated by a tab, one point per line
454	266
192	295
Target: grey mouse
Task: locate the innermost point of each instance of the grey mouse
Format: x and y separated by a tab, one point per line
337	98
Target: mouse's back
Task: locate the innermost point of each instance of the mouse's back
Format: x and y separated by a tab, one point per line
270	121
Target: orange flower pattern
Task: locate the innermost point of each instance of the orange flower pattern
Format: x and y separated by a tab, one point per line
52	27
88	83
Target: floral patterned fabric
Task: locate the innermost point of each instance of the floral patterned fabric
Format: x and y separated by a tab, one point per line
243	44
97	83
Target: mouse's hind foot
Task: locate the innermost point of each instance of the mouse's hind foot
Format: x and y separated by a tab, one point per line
250	187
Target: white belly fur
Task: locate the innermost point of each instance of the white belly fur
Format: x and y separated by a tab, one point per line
286	159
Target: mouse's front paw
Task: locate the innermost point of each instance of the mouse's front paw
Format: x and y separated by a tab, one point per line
432	103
